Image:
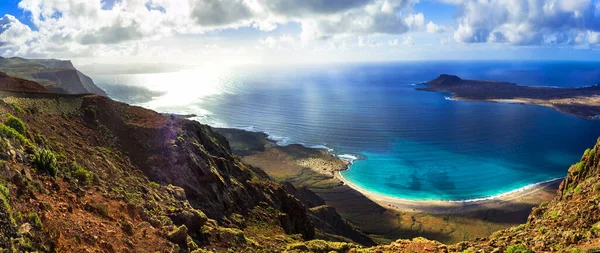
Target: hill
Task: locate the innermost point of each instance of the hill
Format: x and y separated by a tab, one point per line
582	102
56	75
83	172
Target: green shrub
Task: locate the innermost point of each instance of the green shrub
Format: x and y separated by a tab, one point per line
35	220
4	190
11	133
554	214
45	160
596	228
580	166
83	176
517	248
586	152
18	108
4	197
578	189
153	185
15	123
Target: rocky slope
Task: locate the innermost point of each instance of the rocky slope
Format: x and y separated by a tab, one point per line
85	173
56	75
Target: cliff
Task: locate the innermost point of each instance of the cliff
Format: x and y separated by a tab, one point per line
56	75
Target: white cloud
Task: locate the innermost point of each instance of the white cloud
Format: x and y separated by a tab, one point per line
434	28
529	22
13	32
415	21
85	27
393	42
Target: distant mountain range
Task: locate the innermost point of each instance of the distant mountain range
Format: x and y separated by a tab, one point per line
57	76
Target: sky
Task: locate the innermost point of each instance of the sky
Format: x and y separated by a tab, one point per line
301	31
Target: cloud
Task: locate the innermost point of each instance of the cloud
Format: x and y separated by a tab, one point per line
90	28
13	32
434	28
532	22
311	7
378	17
220	12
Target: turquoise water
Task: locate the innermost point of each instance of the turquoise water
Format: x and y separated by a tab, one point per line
407	143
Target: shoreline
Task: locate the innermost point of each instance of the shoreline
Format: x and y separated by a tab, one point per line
313	171
453	206
409	205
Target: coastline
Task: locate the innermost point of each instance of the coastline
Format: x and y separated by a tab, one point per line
458	206
525	194
382	219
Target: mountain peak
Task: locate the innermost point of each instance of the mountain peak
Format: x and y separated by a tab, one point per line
445	79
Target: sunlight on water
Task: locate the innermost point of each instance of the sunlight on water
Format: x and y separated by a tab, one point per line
174	91
406	143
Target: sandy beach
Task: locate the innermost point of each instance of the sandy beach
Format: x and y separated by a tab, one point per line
383	218
527	195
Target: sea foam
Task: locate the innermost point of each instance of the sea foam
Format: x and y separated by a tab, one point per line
348	158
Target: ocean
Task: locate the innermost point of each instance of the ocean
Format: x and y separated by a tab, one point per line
403	143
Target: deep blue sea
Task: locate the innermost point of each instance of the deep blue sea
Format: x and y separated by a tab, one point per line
409	144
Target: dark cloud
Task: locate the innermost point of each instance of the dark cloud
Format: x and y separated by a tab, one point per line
112	35
220	12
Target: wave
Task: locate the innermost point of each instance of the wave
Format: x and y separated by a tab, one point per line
348	158
449	98
497	196
328	149
524	188
280	141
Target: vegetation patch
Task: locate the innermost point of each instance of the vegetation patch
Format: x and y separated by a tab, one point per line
153	185
15	123
45	160
18	109
11	133
580	166
83	176
35	220
578	189
517	248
